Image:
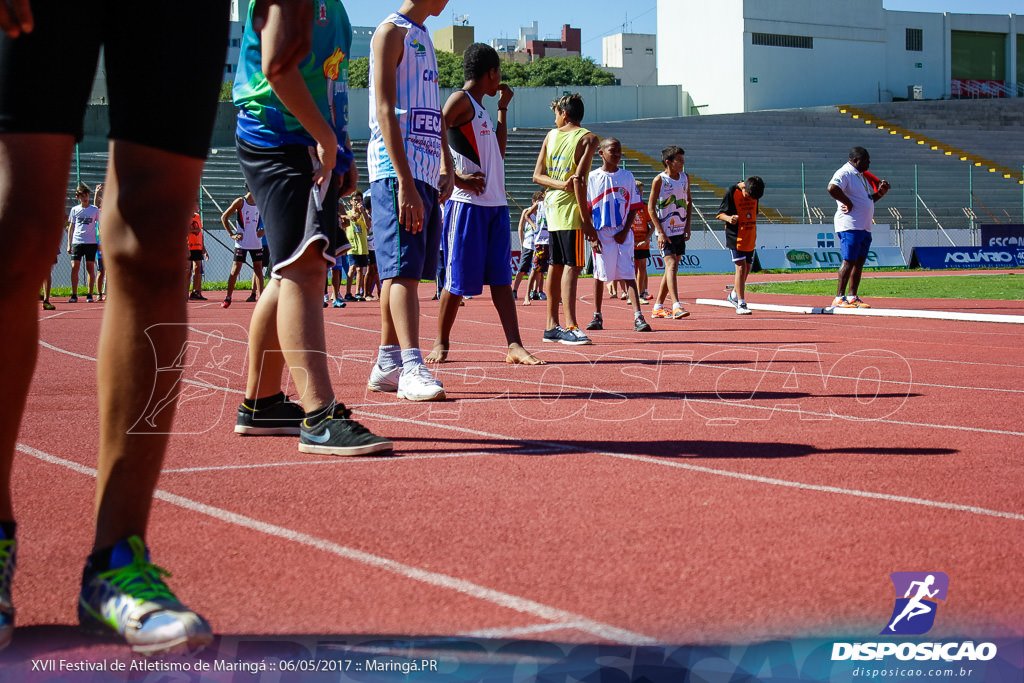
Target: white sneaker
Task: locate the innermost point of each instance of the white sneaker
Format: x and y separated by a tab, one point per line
417	383
732	297
384	381
741	308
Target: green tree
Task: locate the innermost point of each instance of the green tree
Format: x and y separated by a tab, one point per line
449	67
359	73
225	91
549	71
515	74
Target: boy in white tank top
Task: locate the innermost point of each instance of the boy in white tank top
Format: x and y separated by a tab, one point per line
670	208
410	177
248	242
478	244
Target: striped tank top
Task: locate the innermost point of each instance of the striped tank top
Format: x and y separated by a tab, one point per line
417	107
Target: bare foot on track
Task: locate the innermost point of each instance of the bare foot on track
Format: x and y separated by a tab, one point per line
438	355
517	355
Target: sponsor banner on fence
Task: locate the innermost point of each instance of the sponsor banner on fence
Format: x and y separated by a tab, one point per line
797	258
822	236
696	261
1002	235
937	258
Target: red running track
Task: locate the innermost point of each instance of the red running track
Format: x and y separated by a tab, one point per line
724	479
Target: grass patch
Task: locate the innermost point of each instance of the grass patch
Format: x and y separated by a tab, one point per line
1006	287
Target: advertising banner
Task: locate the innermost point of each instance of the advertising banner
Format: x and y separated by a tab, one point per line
1002	235
938	258
802	259
696	261
822	236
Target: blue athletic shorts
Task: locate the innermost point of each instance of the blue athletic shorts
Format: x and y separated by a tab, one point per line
477	247
401	253
854	244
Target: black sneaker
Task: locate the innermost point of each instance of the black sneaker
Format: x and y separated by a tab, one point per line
339	434
641	325
596	323
280	419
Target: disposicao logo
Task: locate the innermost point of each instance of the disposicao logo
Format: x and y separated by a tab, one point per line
916	604
917	596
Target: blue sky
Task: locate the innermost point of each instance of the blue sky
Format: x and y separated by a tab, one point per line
598	18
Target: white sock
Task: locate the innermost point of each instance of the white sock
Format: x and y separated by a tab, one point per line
411	357
389	357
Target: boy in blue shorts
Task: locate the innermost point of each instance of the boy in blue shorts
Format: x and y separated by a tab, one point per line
478	249
410	177
739	213
293	148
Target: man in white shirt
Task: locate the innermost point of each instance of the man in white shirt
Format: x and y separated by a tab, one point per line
855	191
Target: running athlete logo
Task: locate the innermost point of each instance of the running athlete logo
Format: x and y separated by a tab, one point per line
917	594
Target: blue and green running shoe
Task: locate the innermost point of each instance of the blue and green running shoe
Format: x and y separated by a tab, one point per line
8	559
132	599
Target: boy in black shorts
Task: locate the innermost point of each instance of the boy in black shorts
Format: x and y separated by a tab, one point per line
670	208
295	155
739	212
152	179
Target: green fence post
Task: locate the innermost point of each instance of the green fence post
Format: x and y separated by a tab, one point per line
970	198
803	197
917	200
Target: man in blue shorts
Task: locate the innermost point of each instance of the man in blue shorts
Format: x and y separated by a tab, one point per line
478	247
852	188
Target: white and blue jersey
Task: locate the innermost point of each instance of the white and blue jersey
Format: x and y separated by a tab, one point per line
417	107
611	197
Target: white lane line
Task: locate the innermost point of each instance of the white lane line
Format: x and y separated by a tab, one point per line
501	633
360	460
654	460
499	598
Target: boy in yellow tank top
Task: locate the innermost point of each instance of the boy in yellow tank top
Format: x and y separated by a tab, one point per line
562	166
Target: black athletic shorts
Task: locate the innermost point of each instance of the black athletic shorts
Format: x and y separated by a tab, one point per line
86	251
567	248
195	254
255	254
296	216
525	261
676	244
162	93
641	254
